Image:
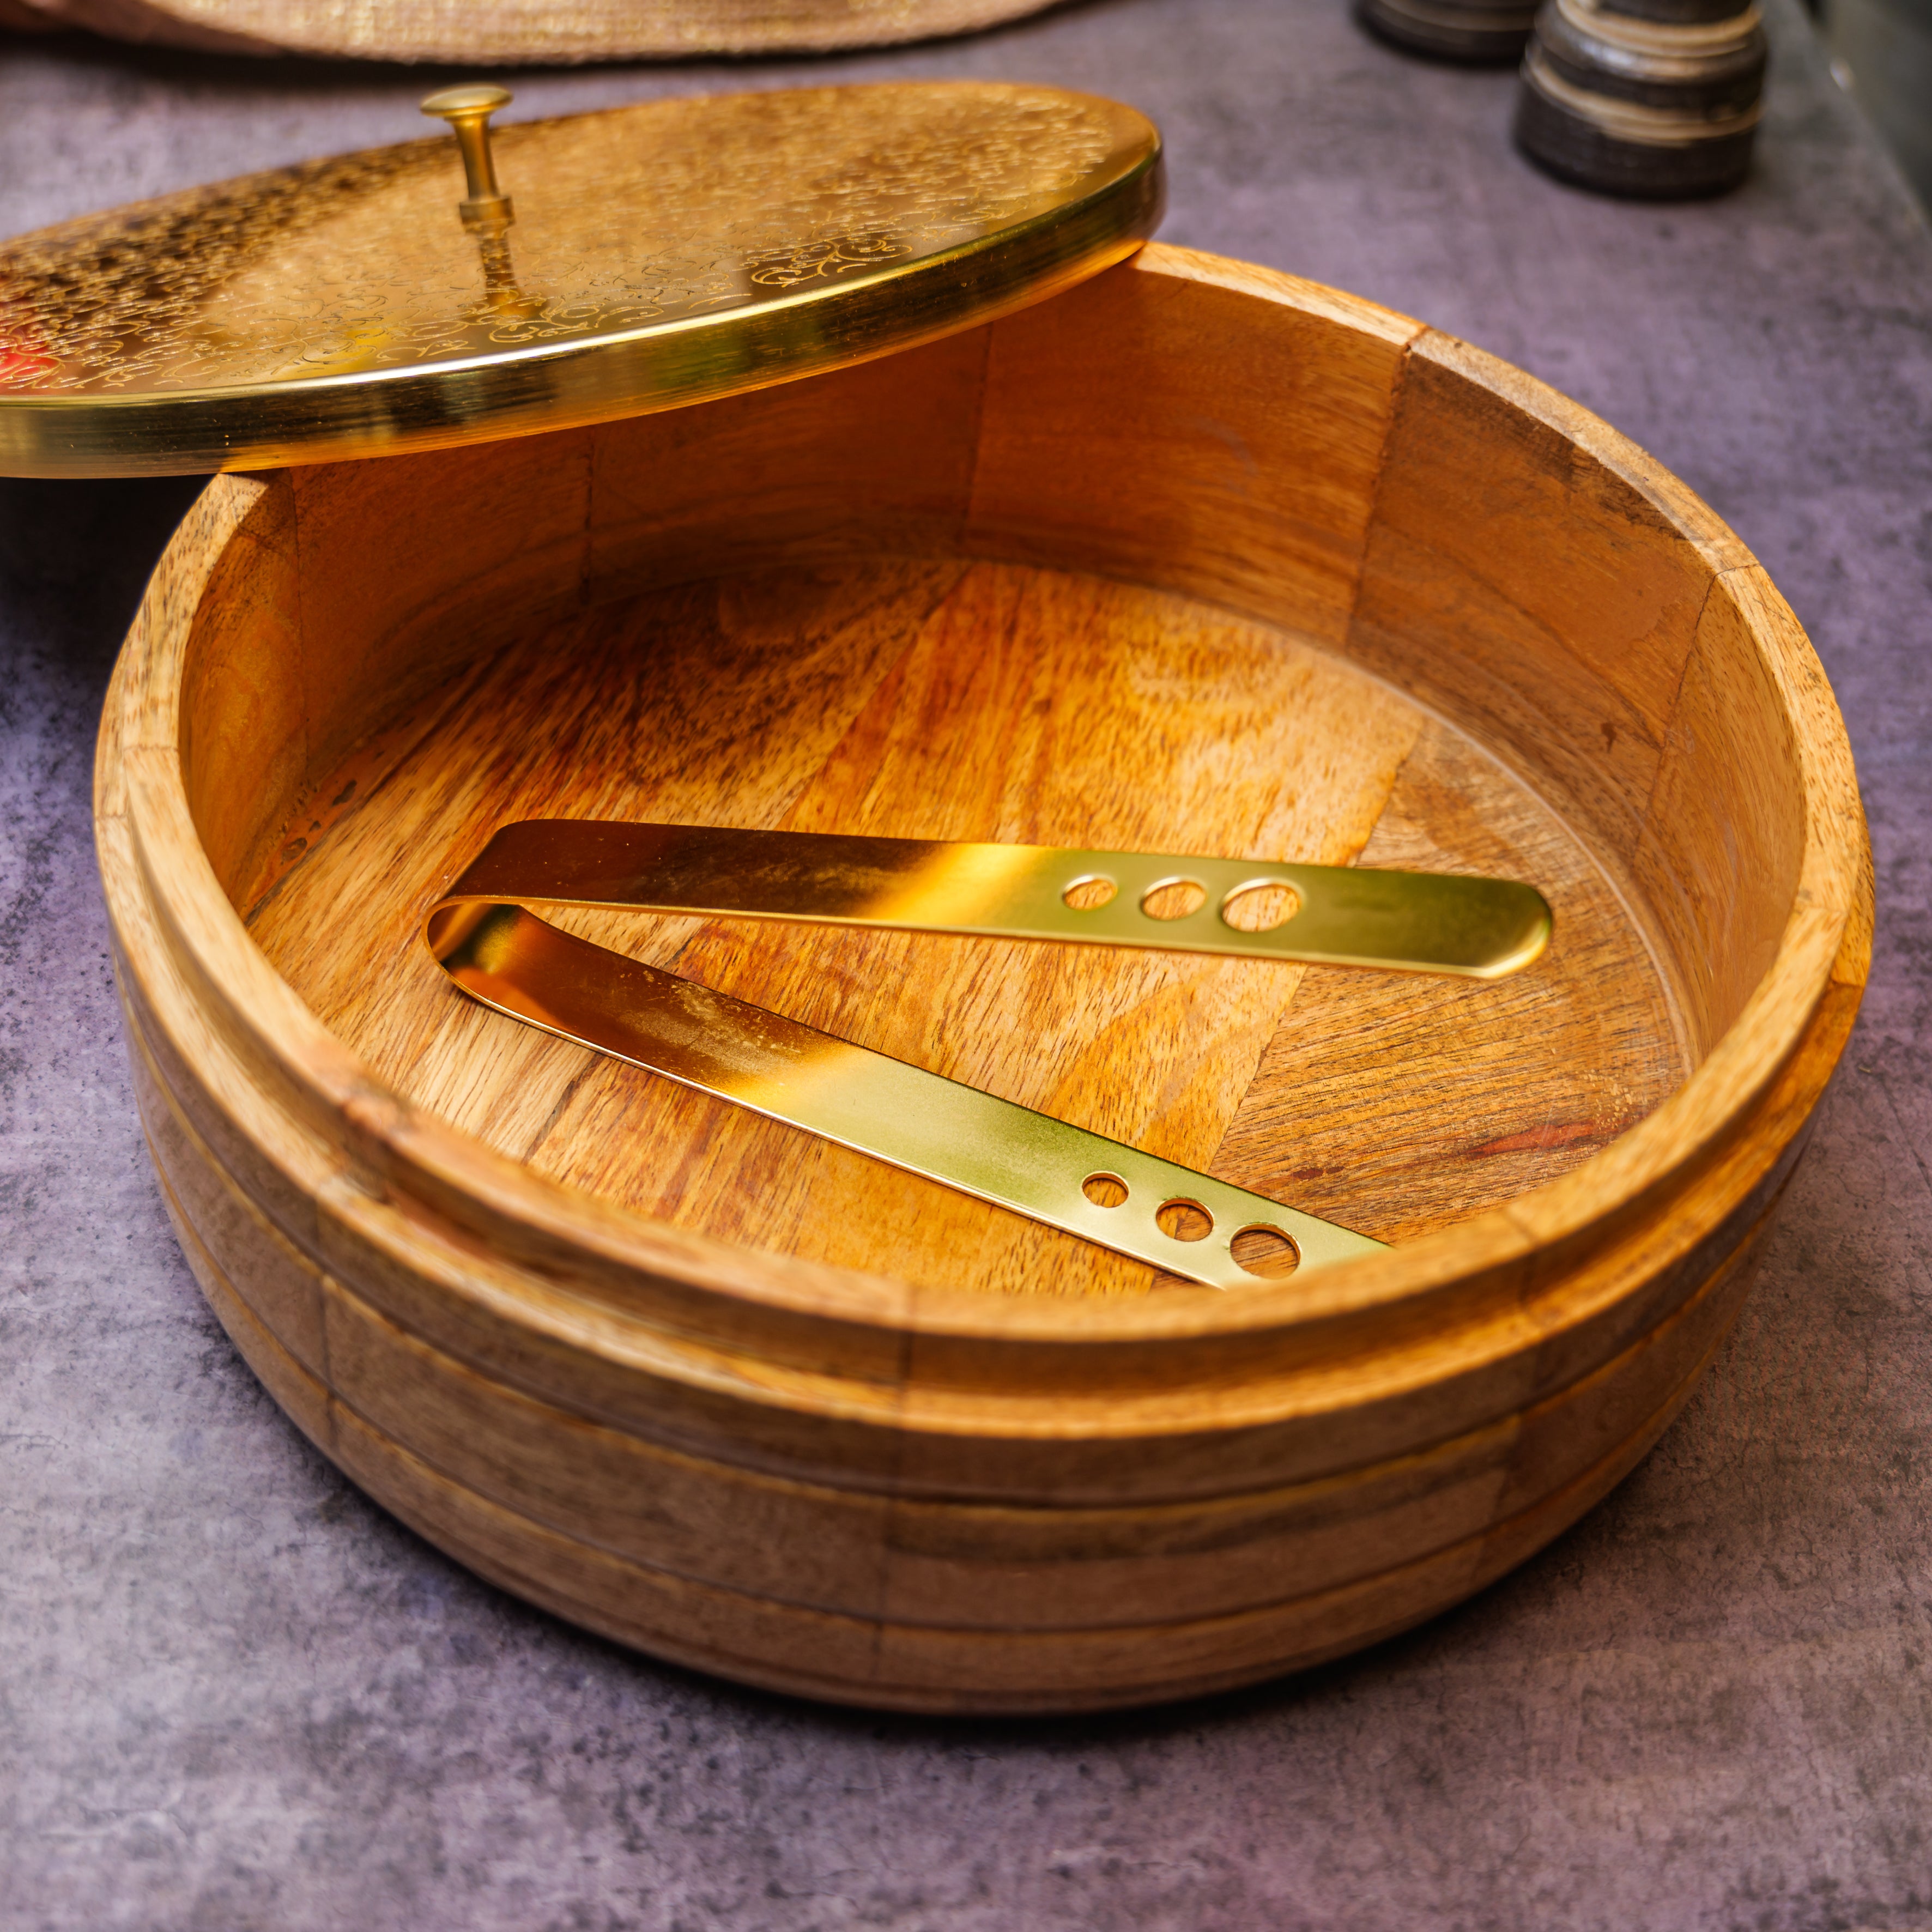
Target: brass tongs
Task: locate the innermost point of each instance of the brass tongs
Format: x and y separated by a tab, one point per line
482	934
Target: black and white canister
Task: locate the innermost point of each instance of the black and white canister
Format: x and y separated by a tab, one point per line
1656	98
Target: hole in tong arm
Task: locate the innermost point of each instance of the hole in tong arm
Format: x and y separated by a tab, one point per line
1174	898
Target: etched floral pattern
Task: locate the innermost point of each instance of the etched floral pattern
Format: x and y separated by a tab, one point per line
625	220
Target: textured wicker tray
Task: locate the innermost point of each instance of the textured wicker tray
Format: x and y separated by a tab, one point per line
540	32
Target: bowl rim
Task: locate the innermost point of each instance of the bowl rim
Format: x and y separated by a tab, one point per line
1825	941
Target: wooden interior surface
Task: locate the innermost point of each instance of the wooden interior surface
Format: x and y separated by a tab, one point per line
943	698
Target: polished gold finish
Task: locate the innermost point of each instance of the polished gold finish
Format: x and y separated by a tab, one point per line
665	253
1186	1223
1480	929
468	110
484	937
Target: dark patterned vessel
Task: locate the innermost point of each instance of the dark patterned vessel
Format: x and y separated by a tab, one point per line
1658	99
1483	32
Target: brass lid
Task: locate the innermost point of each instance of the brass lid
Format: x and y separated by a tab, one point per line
602	265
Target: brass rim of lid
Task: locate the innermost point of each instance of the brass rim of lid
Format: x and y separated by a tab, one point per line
634	260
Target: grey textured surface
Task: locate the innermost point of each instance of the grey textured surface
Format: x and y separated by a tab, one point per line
234	1694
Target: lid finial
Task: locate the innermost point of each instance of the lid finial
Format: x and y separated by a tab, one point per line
468	110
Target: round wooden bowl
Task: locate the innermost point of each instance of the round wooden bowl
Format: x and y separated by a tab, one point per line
1197	557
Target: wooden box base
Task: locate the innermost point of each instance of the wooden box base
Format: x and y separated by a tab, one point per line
1196	557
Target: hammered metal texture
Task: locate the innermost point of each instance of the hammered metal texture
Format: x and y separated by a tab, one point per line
660	253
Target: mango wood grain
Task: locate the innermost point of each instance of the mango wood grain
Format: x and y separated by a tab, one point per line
931	700
1200	552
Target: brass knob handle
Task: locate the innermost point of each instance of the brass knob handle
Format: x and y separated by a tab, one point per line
468	110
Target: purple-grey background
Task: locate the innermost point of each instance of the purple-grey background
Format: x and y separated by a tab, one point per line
234	1694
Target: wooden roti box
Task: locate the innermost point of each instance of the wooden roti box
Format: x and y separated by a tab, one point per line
1194	557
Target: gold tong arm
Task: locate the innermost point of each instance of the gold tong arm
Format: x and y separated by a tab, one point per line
1476	927
1009	1155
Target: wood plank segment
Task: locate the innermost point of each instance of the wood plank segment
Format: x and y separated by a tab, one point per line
1723	836
1551	611
244	734
1148	426
873	459
282	1286
494	539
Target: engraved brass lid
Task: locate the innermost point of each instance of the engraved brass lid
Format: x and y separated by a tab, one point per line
602	265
